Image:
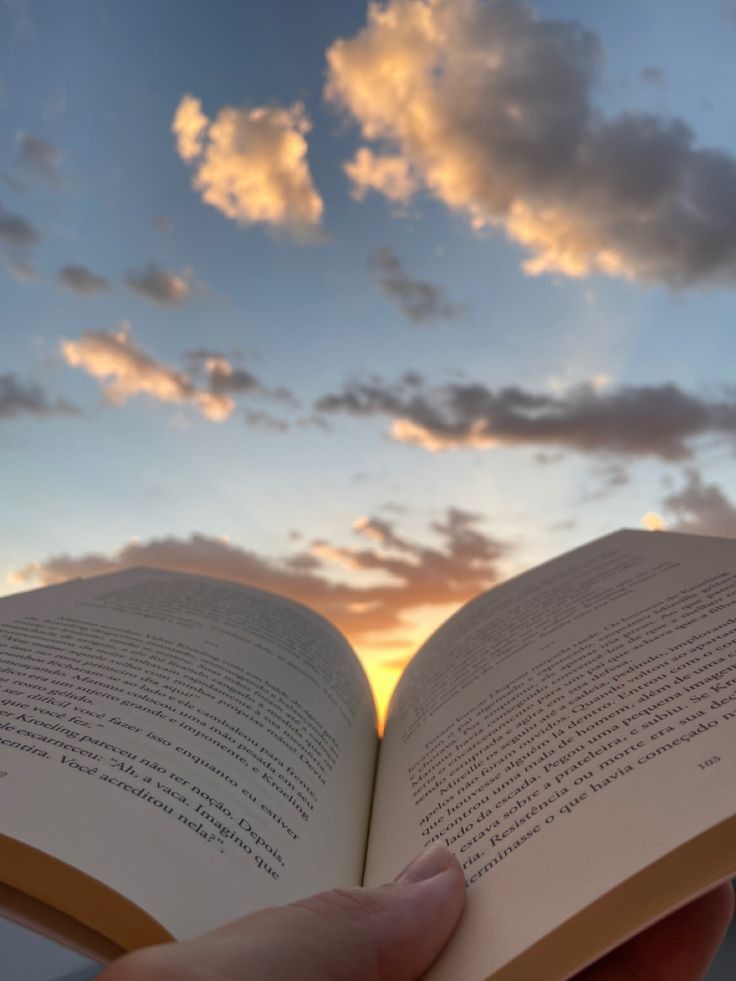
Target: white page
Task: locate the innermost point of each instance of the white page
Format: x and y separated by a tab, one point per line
541	743
203	748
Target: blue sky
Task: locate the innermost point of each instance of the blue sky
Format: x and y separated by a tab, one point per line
208	412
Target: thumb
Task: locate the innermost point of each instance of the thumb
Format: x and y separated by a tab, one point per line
389	932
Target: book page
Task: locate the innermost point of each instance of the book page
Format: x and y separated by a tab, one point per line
563	732
200	748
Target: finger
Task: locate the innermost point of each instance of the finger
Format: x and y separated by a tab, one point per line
391	932
678	948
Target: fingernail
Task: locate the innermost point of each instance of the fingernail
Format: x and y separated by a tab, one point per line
430	863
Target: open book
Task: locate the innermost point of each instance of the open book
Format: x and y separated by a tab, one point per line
177	751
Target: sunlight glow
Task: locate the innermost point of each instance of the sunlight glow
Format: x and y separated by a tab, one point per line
653	521
384	671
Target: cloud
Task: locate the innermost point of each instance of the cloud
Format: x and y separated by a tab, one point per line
647	420
16	232
160	286
420	300
126	370
17	237
28	399
652	75
700	508
391	176
81	280
223	378
210	382
222	375
489	108
463	561
266	421
189	127
251	164
379	531
609	477
40	159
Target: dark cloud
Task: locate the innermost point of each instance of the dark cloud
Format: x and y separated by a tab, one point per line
420	300
468	544
265	421
364	399
465	561
608	478
699	508
16	232
236	380
81	280
17	237
380	531
651	75
656	420
28	399
304	562
40	159
224	378
158	285
222	375
490	108
313	422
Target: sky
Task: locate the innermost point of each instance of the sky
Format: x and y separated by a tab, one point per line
371	305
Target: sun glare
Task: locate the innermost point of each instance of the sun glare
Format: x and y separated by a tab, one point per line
384	669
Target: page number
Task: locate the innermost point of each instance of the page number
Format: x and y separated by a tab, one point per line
711	761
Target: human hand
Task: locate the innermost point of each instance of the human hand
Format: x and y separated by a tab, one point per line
395	932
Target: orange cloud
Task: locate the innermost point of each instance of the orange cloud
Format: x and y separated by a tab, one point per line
251	164
389	175
489	108
189	126
421	583
159	285
338	556
561	242
379	530
125	371
407	431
